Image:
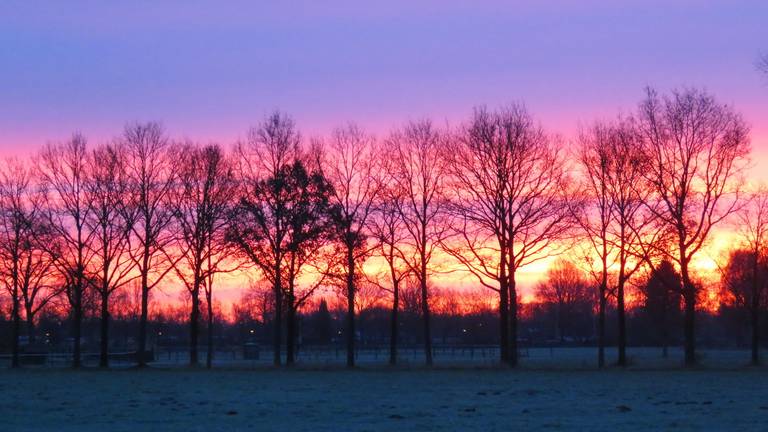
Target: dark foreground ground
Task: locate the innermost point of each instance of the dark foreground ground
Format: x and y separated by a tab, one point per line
382	399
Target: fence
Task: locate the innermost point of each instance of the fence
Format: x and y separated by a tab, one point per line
373	356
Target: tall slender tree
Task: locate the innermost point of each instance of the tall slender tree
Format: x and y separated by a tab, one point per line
312	228
19	232
63	174
512	205
386	228
283	217
294	204
202	204
350	163
111	268
269	149
616	222
150	173
696	151
633	225
419	171
753	230
595	217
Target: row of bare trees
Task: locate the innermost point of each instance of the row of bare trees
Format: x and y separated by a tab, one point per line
485	199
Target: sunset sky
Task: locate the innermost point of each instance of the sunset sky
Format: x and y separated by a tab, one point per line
209	72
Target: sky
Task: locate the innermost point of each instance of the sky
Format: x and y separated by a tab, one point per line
208	70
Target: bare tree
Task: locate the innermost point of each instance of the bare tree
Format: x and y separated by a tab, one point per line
696	151
151	176
753	230
418	175
14	224
201	204
19	231
350	164
63	173
512	205
282	218
634	226
595	217
386	228
617	223
106	189
270	147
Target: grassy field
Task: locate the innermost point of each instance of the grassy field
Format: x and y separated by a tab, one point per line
382	399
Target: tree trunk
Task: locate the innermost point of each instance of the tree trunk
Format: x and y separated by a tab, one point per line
622	361
504	321
393	329
104	339
665	327
30	325
142	361
513	354
194	326
290	355
503	305
16	329
601	328
689	295
209	357
278	318
76	324
425	313
755	332
755	306
350	306
602	303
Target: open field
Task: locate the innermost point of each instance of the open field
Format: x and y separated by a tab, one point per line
383	399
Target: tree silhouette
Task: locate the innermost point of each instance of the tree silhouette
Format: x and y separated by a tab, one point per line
387	229
696	151
615	220
111	267
280	224
63	171
661	302
566	290
24	265
351	166
201	204
511	205
744	277
418	173
149	170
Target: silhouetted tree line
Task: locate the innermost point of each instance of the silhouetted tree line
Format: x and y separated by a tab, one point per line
629	205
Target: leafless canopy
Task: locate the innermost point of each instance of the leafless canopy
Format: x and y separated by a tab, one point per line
696	151
511	203
418	178
149	169
350	164
63	173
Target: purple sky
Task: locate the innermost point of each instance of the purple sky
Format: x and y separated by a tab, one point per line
208	71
